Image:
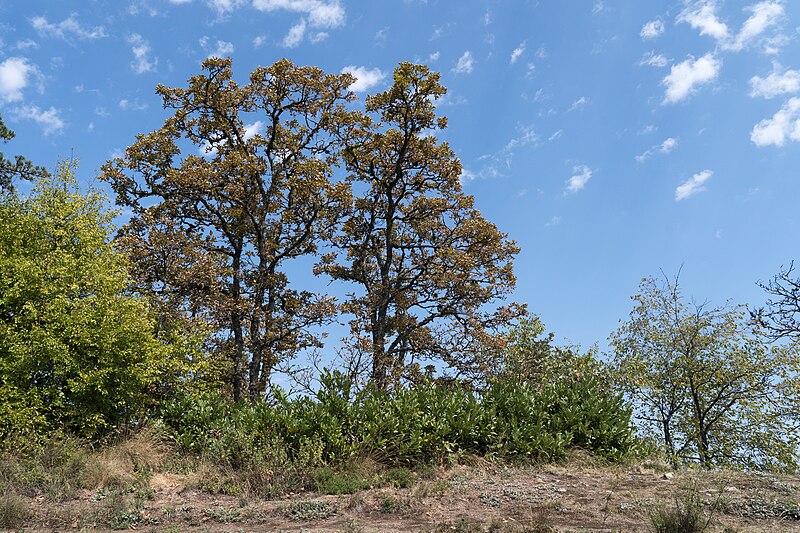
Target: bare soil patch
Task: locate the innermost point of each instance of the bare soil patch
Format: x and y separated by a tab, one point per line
487	498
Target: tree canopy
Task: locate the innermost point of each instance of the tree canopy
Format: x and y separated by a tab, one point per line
16	168
705	383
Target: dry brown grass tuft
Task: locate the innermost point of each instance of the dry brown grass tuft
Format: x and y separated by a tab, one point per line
14	510
122	465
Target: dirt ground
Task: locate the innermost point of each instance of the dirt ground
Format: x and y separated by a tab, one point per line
488	498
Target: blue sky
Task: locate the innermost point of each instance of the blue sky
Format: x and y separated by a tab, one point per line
611	139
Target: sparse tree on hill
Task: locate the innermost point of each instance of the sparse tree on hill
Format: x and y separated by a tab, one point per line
705	382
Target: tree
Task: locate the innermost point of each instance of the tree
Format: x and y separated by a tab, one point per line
235	185
20	167
781	316
424	260
704	381
76	351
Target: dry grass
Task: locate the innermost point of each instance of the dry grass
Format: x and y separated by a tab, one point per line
124	464
14	510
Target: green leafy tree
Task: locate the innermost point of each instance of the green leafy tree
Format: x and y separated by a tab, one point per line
16	168
76	352
235	185
705	383
424	262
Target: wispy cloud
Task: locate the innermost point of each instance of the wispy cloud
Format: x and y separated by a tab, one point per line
517	53
776	84
69	27
142	61
366	78
651	59
684	77
784	125
15	75
49	119
135	105
465	63
579	103
581	176
693	185
652	29
554	221
665	147
26	44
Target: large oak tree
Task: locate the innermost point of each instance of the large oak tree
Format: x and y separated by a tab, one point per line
231	188
426	266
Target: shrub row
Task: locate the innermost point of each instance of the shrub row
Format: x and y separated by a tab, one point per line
412	425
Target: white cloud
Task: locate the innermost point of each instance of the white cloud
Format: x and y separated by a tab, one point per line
582	175
652	29
775	84
518	51
50	119
527	136
785	124
223	49
665	147
434	57
224	6
259	41
686	76
651	59
764	15
134	105
668	145
65	28
15	75
580	102
251	130
142	62
554	221
465	63
319	14
366	78
295	35
315	14
693	185
703	16
598	7
26	44
556	135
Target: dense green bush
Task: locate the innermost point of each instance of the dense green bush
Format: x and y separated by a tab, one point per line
77	352
408	426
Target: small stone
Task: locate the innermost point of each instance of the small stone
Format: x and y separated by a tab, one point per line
668	475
